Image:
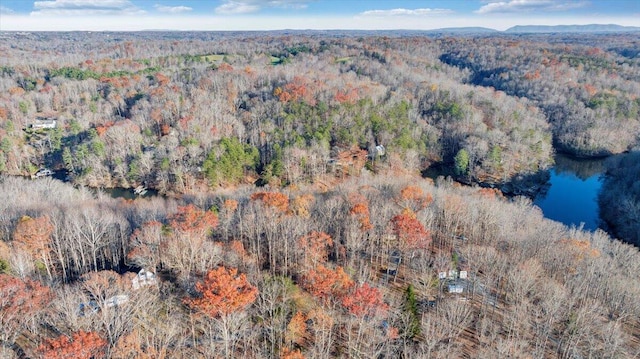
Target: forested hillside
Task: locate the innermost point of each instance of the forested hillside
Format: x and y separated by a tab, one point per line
177	115
293	220
588	91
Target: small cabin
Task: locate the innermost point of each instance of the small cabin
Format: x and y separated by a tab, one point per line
456	288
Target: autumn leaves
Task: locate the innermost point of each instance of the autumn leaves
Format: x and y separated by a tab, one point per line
222	292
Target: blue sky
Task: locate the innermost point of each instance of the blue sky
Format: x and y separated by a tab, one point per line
129	15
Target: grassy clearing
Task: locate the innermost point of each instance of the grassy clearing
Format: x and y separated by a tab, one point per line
342	60
213	57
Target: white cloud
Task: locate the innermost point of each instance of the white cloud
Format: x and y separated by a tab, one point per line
251	6
407	12
5	10
173	9
512	6
85	7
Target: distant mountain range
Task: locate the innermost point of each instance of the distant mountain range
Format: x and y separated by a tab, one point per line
521	29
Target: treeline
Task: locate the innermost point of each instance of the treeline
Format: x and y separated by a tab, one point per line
352	271
620	197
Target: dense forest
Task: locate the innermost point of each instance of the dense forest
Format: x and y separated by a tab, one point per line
292	219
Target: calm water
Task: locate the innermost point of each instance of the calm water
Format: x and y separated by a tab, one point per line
127	193
572	195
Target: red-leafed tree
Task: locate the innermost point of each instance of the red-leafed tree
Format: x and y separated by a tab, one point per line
81	345
20	301
223	291
364	301
410	232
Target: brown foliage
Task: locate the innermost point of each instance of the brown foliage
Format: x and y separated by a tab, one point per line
301	205
230	205
413	197
81	345
287	353
347	96
225	67
33	235
351	162
315	247
277	200
16	91
223	291
144	243
162	79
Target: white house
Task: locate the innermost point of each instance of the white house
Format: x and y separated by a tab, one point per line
143	278
44	123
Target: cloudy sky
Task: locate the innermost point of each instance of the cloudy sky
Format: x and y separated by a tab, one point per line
126	15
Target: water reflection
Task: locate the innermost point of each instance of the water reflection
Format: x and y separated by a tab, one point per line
581	168
572	195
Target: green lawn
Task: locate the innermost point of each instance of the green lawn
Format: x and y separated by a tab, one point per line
275	60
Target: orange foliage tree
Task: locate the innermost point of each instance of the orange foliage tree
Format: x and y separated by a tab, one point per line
361	211
410	232
414	198
277	200
81	345
323	282
286	353
223	291
297	329
33	235
364	301
191	219
315	247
